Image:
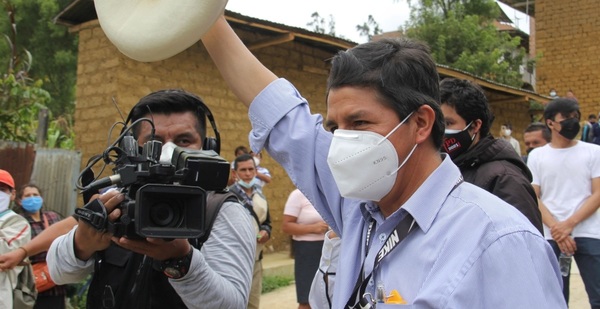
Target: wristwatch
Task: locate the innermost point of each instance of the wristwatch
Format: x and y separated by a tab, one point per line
178	267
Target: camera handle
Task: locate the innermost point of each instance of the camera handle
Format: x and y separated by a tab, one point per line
94	213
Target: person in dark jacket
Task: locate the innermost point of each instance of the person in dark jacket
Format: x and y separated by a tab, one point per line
484	161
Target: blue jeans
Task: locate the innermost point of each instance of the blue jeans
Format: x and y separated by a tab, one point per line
587	258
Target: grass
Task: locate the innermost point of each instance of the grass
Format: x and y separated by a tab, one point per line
271	283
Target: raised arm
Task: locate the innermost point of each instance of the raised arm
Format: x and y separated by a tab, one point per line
244	74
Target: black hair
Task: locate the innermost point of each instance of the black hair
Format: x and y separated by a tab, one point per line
538	126
401	71
23	187
243	149
469	101
167	102
242	158
563	106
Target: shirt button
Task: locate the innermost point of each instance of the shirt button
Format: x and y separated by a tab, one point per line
371	282
382	237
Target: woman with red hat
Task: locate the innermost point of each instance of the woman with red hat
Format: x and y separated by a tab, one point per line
14	233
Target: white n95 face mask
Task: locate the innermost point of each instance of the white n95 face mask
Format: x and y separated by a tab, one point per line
4	201
167	153
364	164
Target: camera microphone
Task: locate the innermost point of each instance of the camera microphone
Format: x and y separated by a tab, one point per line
103	183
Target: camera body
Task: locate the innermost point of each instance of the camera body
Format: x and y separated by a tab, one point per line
165	200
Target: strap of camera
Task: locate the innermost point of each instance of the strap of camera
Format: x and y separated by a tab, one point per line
94	213
214	201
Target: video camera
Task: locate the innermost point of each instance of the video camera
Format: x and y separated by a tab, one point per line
161	200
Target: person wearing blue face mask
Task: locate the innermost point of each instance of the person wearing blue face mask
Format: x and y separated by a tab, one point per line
249	191
484	161
29	197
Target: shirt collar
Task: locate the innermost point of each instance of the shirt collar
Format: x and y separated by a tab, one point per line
427	201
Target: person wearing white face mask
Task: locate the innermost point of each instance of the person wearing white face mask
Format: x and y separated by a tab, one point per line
250	194
506	133
412	232
484	161
14	233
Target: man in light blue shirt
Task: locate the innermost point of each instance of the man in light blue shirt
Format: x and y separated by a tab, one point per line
407	221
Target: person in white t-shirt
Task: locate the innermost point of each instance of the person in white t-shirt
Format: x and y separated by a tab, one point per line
566	178
303	222
506	133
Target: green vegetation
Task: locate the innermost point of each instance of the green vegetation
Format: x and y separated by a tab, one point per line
23	93
54	49
77	294
462	35
271	283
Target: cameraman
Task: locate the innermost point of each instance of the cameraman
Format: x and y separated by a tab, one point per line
127	272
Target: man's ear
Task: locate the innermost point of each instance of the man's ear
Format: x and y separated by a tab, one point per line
476	126
424	119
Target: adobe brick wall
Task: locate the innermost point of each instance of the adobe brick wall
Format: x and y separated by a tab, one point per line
517	114
567	35
104	73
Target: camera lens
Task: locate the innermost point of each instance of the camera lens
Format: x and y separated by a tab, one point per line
169	211
163	214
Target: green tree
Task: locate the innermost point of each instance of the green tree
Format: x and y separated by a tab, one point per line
22	97
462	35
55	49
369	29
319	23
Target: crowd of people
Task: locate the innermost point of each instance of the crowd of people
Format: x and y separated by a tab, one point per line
402	185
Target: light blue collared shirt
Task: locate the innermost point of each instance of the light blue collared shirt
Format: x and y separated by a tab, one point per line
470	250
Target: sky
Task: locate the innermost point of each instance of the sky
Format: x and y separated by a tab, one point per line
347	14
389	14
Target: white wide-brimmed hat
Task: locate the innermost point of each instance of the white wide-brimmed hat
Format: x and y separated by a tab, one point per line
153	30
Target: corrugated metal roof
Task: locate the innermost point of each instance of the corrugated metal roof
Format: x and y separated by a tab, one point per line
56	172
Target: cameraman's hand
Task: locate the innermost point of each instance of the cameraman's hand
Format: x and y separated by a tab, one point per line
88	240
156	248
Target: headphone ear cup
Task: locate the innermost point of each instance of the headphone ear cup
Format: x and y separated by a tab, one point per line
210	143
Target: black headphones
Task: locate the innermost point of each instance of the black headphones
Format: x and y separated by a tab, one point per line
209	143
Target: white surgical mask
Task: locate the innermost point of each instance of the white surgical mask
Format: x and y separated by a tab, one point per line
364	164
507	132
4	201
167	153
247	185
